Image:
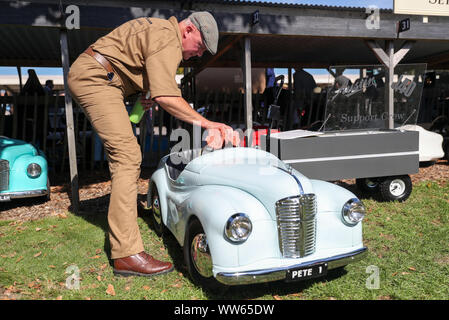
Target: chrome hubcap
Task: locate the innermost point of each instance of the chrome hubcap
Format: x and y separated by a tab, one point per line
157	210
397	187
201	256
370	183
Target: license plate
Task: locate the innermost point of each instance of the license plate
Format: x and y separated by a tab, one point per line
317	270
4	198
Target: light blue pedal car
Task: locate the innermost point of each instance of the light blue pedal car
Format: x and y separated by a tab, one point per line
243	216
23	170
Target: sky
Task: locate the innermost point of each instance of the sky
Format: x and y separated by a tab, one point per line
384	4
387	4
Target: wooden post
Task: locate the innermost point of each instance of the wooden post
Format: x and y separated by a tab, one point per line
389	81
390	60
69	120
246	66
19	71
288	113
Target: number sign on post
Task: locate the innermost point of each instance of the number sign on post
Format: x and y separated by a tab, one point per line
404	25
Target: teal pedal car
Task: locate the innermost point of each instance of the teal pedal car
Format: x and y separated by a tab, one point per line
23	170
243	216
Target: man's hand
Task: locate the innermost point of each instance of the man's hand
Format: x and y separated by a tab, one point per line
146	103
219	132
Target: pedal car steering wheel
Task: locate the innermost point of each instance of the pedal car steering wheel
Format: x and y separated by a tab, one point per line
208	148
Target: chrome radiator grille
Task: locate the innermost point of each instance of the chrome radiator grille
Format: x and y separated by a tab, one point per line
296	220
4	174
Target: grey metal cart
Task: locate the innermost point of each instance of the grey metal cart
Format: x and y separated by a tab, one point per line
356	141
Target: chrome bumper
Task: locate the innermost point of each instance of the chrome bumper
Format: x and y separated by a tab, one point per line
7	196
268	275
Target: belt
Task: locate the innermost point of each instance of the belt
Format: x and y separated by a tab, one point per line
101	60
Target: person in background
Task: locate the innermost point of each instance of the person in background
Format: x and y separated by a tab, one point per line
303	85
271	77
48	88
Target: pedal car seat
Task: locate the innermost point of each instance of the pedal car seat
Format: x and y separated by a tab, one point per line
176	162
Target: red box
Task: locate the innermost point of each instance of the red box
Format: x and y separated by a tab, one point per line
257	132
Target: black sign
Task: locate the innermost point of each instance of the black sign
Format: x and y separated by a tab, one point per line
404	25
255	17
314	271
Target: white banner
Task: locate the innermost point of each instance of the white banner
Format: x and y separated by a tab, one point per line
422	7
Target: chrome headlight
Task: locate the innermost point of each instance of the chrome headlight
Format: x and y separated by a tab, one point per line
238	227
34	170
353	212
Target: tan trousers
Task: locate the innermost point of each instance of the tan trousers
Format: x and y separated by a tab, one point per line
103	103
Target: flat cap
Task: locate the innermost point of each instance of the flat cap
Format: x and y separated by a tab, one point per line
207	25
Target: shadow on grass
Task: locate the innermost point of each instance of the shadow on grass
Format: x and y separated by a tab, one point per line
95	212
22	202
170	242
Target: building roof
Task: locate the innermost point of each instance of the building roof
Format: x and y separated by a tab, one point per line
287	35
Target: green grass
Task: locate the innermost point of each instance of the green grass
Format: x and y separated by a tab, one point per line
408	243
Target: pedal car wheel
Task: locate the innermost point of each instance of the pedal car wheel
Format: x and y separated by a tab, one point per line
368	185
156	211
47	197
396	188
197	256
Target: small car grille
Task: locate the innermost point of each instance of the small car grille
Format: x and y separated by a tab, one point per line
296	220
4	174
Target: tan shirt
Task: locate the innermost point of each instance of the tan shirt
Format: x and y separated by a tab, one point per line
146	52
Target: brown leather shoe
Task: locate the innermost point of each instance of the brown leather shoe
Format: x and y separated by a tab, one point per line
141	264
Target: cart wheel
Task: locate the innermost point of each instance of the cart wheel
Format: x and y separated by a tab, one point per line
197	257
396	188
156	212
368	185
